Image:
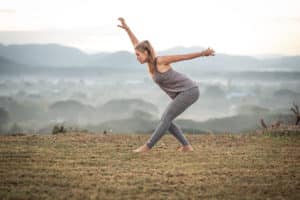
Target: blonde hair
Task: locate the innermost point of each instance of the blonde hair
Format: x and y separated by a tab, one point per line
146	46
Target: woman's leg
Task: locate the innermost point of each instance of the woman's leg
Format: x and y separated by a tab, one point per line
176	131
179	104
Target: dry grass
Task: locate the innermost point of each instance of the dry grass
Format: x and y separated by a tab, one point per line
92	166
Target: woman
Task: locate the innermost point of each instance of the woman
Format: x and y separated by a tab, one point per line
178	86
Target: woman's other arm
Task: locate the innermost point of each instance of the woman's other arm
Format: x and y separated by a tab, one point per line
132	37
175	58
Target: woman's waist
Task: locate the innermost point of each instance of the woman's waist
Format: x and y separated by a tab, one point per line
178	88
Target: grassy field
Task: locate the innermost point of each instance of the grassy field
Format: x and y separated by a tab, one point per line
96	166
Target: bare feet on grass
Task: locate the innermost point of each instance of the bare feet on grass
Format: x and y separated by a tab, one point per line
185	148
145	148
142	149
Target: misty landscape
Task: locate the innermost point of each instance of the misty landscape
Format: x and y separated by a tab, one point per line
42	85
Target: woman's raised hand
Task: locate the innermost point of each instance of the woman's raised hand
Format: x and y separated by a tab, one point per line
123	23
124	26
208	52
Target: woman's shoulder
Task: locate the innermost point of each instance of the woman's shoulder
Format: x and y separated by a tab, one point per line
156	60
159	60
161	67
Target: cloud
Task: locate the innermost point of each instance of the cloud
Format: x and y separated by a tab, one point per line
7	11
287	19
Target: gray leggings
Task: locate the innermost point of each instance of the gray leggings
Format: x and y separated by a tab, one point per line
179	104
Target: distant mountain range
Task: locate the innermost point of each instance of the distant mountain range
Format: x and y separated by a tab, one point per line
61	56
58	56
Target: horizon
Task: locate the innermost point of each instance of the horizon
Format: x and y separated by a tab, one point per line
230	27
257	56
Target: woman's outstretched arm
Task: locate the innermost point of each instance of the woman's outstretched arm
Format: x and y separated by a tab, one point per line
175	58
132	37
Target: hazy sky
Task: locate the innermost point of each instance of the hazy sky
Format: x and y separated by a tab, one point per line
231	26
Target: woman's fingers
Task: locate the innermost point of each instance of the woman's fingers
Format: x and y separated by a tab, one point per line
209	52
212	52
121	18
123	27
123	24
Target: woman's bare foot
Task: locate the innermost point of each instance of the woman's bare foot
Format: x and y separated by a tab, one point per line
141	149
185	148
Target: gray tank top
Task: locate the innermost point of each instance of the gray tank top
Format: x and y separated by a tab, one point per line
172	82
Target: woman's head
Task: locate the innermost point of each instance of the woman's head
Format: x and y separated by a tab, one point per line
144	52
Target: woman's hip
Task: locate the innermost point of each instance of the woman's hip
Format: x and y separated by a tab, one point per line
187	97
192	94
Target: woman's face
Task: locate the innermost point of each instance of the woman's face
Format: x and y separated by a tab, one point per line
141	56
